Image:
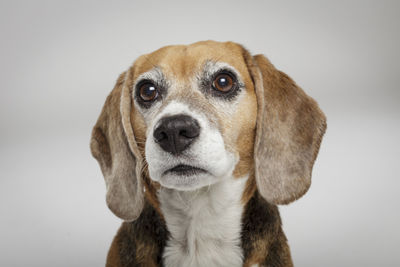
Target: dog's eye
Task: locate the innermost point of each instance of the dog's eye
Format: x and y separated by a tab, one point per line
223	82
148	92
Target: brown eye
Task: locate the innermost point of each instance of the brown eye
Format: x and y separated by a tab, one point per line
148	92
223	82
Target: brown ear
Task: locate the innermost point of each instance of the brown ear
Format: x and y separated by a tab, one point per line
114	146
290	127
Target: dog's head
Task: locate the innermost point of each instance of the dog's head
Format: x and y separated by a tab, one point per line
191	116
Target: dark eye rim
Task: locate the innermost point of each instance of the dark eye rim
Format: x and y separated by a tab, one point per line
230	93
146	103
149	85
226	74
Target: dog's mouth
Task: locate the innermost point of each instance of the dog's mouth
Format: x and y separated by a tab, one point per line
185	170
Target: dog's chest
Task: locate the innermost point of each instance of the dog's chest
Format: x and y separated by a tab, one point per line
204	225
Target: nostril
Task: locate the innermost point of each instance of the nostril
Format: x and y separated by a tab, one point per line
160	135
183	133
189	133
163	136
190	130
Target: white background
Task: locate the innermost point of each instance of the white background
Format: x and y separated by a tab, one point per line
60	59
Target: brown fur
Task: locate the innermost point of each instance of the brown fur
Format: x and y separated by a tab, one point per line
276	130
289	133
118	157
263	240
141	242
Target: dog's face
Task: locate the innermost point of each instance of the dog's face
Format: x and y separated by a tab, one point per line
194	113
190	116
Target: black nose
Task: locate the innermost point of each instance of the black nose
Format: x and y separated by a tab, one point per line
176	133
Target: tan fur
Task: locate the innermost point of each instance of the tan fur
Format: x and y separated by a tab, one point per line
249	189
276	130
150	186
290	127
181	63
145	253
118	156
113	257
259	254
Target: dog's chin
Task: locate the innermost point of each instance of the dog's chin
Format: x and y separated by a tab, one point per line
186	178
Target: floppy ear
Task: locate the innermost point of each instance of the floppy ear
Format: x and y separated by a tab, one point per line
290	127
113	145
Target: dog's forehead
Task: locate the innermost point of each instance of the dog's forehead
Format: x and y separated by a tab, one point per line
183	61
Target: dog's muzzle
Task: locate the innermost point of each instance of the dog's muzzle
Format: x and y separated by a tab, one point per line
176	133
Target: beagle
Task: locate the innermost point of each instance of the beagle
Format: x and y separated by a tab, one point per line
197	145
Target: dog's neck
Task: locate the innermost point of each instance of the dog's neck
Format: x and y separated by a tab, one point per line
204	225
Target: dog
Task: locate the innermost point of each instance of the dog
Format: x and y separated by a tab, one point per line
198	144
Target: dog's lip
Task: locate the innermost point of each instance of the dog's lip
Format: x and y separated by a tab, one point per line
183	169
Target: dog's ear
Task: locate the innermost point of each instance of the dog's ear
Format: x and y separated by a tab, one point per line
113	145
290	127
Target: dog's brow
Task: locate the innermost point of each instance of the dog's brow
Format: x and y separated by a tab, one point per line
210	67
156	75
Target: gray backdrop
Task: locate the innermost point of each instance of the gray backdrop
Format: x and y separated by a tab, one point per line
60	59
